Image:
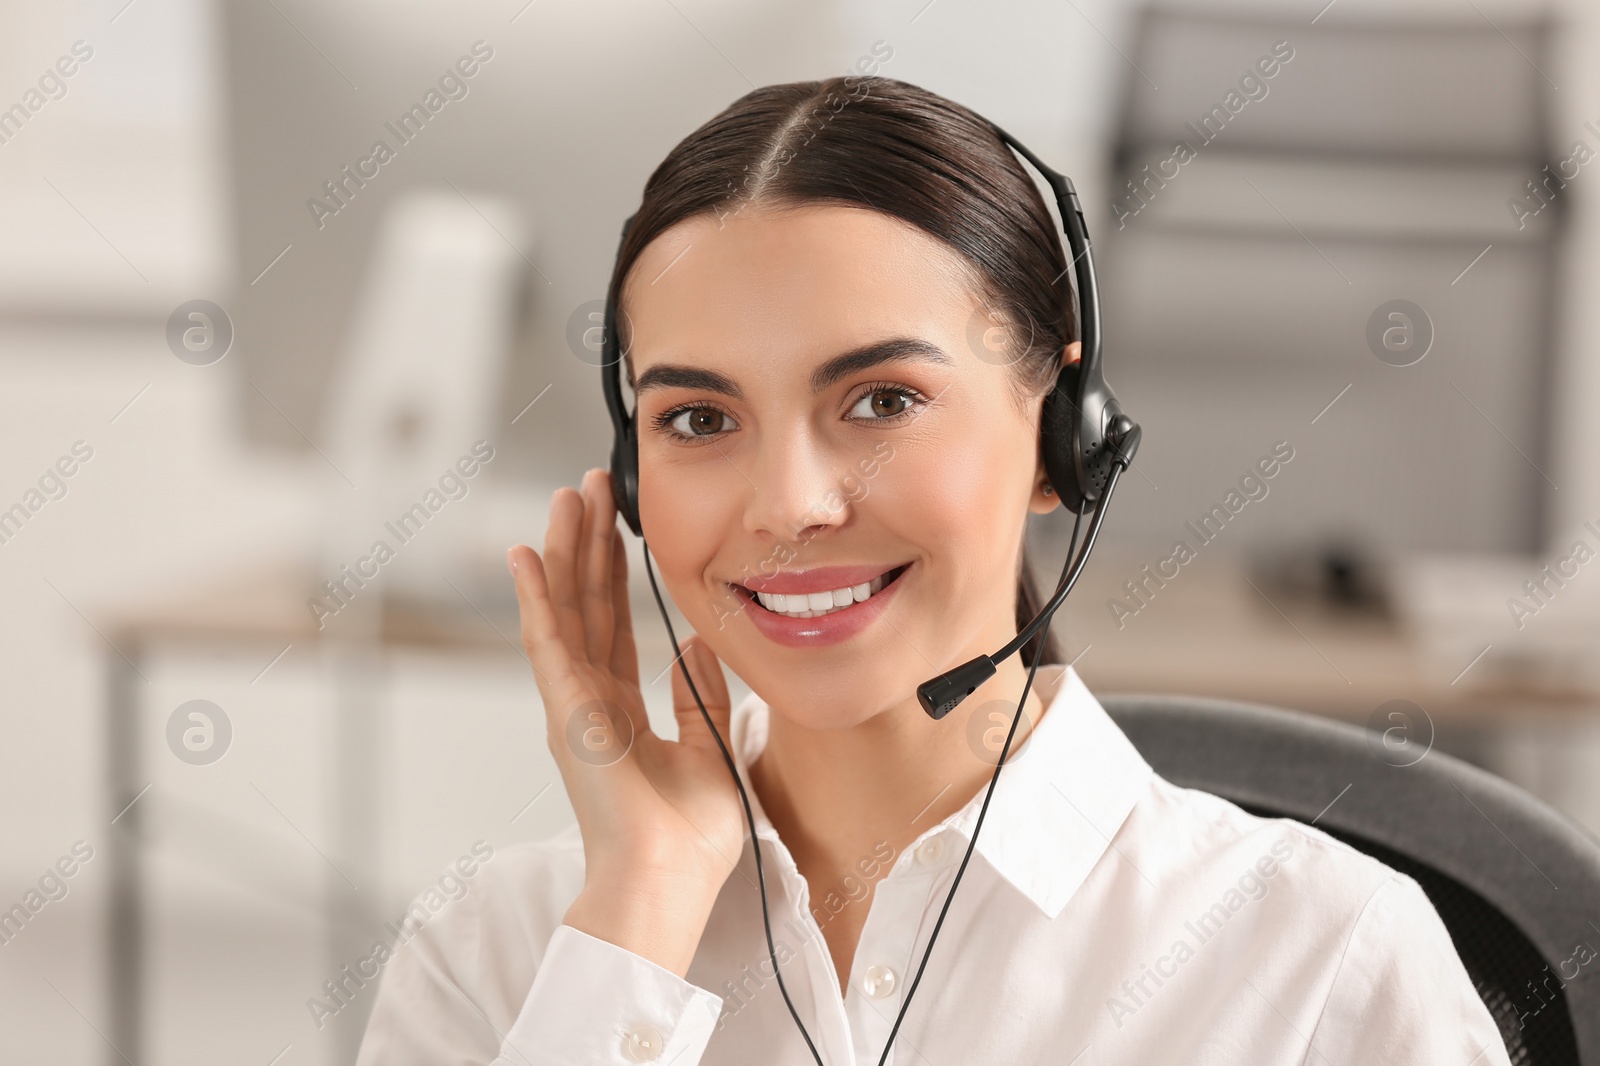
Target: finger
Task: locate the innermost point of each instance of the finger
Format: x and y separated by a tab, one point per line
559	566
624	654
547	651
599	623
712	687
580	566
567	700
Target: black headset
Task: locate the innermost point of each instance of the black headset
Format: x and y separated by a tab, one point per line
1085	441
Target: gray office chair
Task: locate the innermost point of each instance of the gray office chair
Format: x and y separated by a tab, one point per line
1517	885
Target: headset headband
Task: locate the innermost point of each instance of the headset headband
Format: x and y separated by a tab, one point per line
1077	416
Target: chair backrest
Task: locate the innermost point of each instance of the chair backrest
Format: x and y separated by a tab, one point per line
1516	883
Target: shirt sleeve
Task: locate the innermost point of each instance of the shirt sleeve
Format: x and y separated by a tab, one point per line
597	1004
493	980
1401	993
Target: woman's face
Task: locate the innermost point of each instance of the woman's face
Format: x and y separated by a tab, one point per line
813	417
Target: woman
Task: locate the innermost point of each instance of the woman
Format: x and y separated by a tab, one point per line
842	303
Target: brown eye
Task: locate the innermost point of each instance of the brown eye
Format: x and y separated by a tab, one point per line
705	421
699	422
888	404
882	404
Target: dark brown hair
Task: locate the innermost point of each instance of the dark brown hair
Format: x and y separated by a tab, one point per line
895	148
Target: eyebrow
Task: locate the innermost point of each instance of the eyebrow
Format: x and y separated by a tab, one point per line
673	376
894	350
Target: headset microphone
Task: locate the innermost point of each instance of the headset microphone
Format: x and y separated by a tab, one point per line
940	695
1085	442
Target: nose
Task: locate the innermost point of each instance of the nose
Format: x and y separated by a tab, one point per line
798	489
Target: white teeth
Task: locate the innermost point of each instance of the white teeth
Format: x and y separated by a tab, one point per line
810	605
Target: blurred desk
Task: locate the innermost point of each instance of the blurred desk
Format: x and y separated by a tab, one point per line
1217	630
272	604
267	610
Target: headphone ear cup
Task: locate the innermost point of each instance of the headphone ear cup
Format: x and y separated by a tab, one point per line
625	477
1058	435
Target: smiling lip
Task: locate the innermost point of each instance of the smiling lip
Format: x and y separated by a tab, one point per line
817	579
834	627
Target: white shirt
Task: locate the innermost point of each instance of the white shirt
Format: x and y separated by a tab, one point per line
1107	916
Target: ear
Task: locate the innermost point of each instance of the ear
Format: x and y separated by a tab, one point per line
1040	502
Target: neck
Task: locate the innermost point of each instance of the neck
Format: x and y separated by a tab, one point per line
836	797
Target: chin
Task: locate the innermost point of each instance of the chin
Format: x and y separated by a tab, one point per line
826	701
839	687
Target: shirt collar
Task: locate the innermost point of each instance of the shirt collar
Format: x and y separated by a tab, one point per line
1059	802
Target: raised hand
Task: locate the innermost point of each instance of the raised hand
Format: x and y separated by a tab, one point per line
661	820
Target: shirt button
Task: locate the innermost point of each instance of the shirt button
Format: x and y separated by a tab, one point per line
878	981
929	850
643	1044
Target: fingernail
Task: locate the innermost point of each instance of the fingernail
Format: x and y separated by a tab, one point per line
511	559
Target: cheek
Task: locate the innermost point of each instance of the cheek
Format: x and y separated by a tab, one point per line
962	502
687	516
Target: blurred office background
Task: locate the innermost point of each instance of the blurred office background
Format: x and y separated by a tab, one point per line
222	467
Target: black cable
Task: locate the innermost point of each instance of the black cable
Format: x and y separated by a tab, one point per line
750	818
1117	466
1076	560
1072	542
1069	576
